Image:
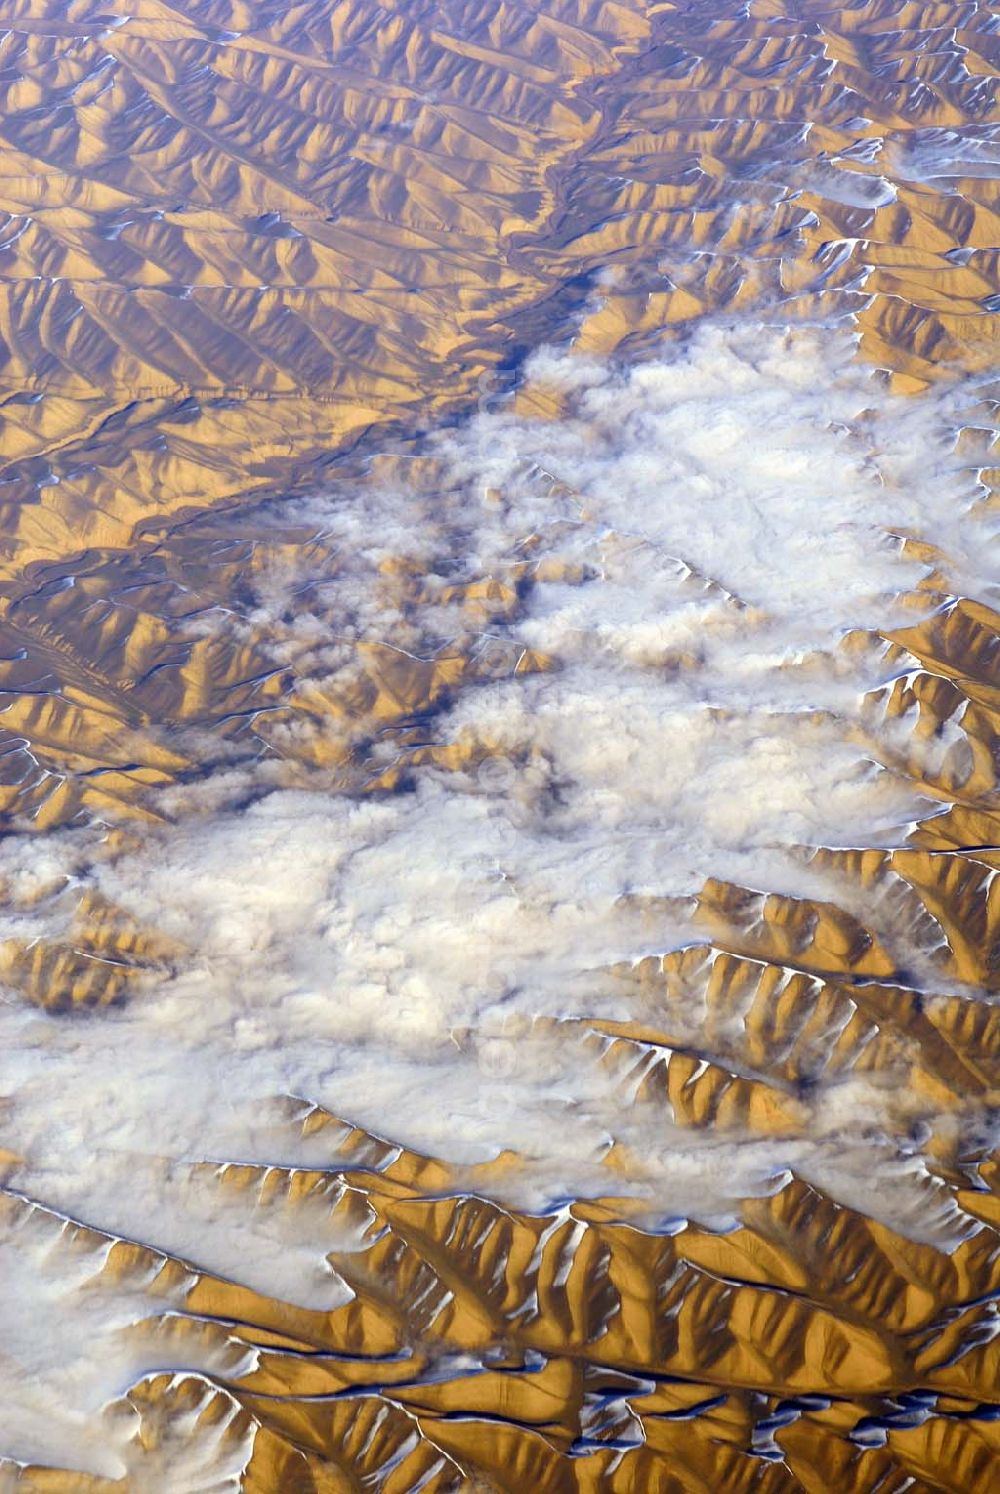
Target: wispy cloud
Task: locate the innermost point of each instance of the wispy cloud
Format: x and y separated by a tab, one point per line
688	547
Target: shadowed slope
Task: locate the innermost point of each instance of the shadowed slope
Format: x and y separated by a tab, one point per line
257	249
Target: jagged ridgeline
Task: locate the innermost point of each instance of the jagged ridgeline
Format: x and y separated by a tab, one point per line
499	747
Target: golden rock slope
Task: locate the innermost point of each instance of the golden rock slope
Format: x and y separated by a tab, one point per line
239	239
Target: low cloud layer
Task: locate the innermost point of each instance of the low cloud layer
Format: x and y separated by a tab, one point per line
704	531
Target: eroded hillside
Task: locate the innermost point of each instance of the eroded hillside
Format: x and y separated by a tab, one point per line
250	256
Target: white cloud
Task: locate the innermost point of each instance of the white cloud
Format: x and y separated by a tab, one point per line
722	518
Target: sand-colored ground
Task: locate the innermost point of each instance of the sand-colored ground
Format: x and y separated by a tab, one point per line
242	246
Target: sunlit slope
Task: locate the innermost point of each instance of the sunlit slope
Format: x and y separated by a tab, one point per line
855	1358
234	237
811	1347
237	239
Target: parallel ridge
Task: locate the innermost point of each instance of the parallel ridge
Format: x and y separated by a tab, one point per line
232	242
233	239
593	1346
535	1351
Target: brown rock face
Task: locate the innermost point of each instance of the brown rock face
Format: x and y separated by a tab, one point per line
252	253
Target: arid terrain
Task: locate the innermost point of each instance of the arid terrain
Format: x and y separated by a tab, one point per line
499	746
